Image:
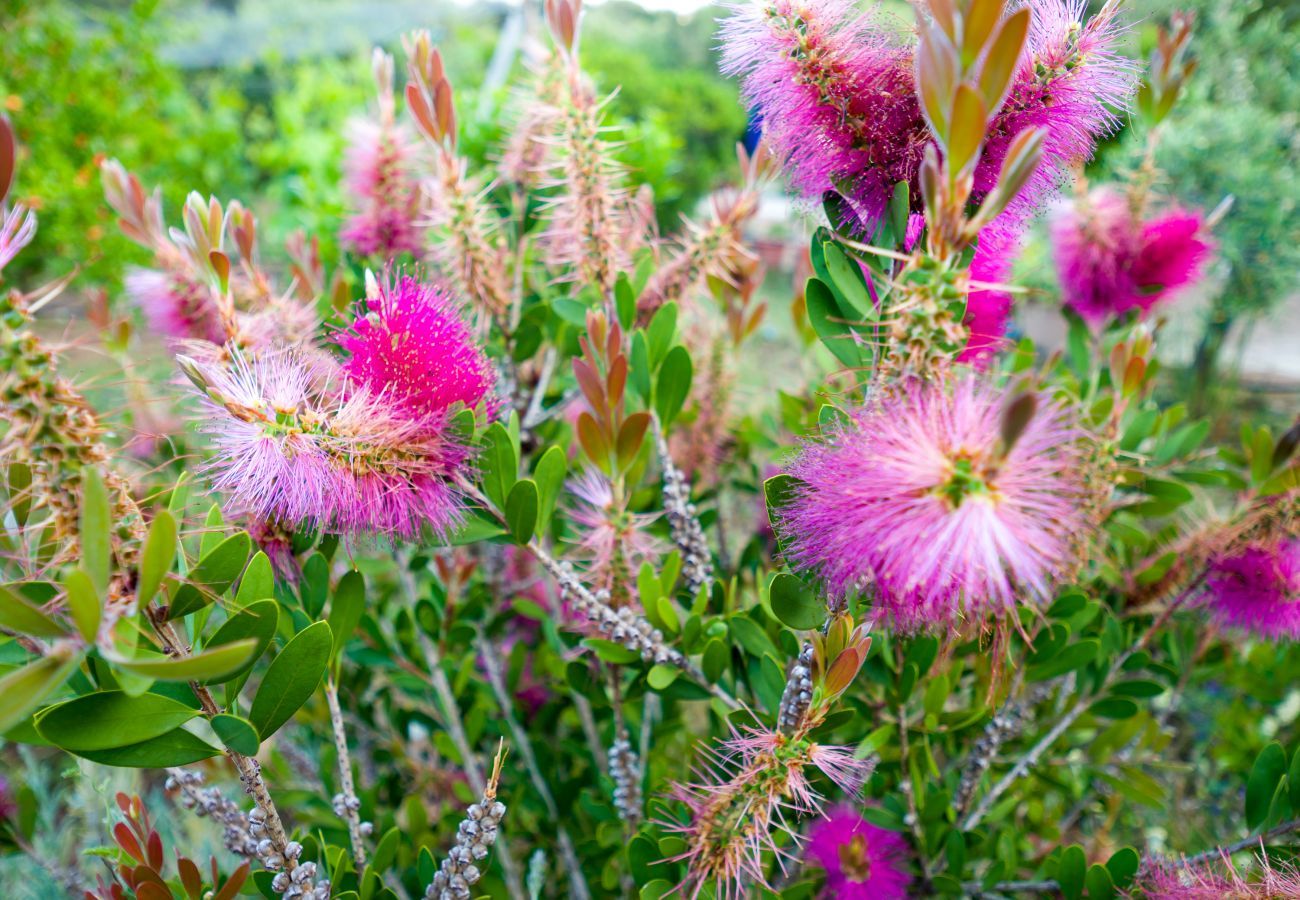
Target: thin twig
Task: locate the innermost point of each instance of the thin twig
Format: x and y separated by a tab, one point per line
351	805
492	663
1228	849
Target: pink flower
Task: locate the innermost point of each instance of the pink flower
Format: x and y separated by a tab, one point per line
1110	261
378	175
1258	589
987	311
862	862
1159	880
175	307
17	228
754	783
290	447
918	498
413	348
614	542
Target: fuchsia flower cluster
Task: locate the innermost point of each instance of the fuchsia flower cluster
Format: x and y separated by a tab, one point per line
378	171
836	92
1111	260
358	447
862	861
1257	589
918	500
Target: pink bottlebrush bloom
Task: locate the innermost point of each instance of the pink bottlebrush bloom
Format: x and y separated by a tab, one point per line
752	786
17	228
290	447
378	170
413	348
1110	261
862	861
175	307
1257	589
918	497
614	542
988	310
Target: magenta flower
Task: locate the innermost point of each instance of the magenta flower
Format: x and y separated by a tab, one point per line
17	228
1257	589
175	307
862	861
413	348
1110	261
753	784
988	310
378	170
291	447
919	499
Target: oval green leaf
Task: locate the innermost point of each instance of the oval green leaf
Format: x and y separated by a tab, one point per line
794	604
158	555
175	748
22	690
1265	776
258	621
212	664
236	733
83	603
521	510
109	719
346	608
292	678
18	615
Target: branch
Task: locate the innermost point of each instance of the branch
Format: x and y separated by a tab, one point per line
347	800
1229	849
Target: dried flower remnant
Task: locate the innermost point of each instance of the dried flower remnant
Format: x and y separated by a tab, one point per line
925	495
862	861
1111	259
756	783
290	447
1257	589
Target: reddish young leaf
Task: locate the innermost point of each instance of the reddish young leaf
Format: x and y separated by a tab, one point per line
630	437
191	878
1002	59
127	841
593	441
232	886
154	850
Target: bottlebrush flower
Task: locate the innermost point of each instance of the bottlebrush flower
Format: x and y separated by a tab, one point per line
614	542
754	783
17	228
1111	261
413	349
836	92
1258	589
920	497
290	446
174	306
378	176
862	861
1161	881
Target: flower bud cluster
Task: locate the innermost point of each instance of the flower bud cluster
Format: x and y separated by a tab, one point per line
474	837
688	535
625	769
209	802
621	626
797	696
343	805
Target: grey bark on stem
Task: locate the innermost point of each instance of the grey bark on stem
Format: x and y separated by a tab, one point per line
351	805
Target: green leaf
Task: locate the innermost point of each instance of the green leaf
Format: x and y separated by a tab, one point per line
1070	871
345	609
847	280
476	527
292	678
1138	688
1075	656
659	334
236	733
83	603
610	652
258	581
258	621
18	615
22	690
1123	866
794	604
175	748
158	555
716	660
778	492
212	664
521	510
315	584
624	301
746	632
219	568
498	465
639	367
1100	885
96	528
674	384
661	676
1293	782
109	719
1265	776
549	476
1114	708
829	322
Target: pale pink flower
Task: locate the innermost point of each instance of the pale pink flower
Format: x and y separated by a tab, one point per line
613	541
383	188
174	306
